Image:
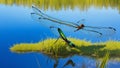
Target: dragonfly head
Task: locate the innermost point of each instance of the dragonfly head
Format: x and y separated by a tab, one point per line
82	25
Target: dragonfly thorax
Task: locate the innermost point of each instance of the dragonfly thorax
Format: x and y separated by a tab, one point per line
80	27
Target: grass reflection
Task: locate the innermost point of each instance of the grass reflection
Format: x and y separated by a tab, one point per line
60	4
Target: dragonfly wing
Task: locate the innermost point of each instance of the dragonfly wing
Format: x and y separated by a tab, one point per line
104	31
52	22
36	17
83	33
41	20
82	21
47	17
91	27
92	32
49	23
36	10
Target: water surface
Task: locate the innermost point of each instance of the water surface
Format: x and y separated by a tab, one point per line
17	26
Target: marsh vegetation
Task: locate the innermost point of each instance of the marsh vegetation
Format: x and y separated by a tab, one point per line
61	49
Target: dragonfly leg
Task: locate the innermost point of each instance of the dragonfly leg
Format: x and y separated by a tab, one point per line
56	40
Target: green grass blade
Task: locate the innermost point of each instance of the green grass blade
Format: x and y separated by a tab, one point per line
105	60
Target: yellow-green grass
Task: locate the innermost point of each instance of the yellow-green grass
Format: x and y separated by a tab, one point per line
104	61
61	49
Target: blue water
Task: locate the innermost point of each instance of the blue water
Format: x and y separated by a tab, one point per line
17	26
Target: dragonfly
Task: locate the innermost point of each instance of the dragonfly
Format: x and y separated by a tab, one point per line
71	26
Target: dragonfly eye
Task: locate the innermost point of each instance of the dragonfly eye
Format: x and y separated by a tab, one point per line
82	25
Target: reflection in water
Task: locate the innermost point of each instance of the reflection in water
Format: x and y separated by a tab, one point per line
60	4
69	62
77	62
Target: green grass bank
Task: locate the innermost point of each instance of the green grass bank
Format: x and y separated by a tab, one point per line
61	49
